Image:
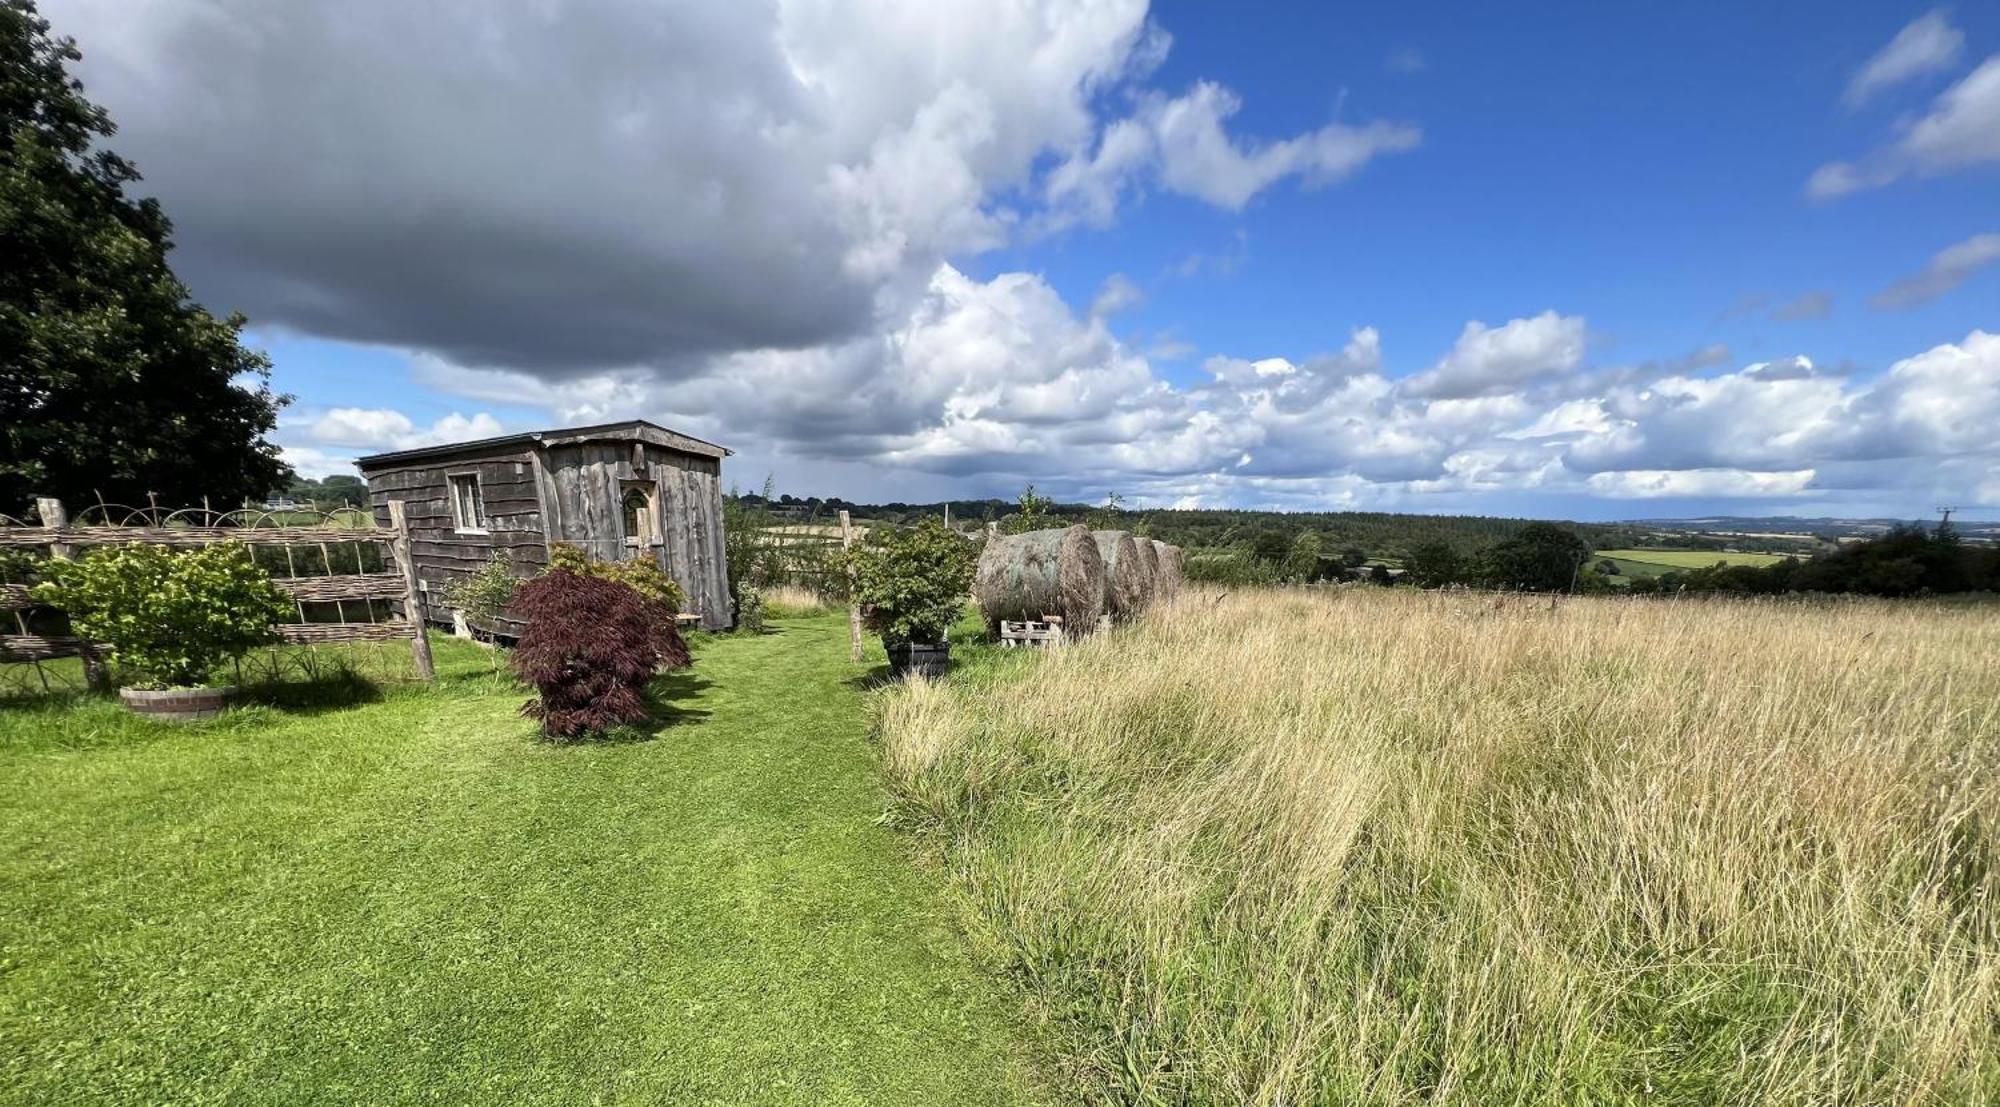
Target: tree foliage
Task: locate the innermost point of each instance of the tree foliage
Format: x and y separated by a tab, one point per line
590	648
112	380
171	617
1543	557
913	581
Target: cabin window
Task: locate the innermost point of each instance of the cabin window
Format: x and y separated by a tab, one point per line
467	512
637	504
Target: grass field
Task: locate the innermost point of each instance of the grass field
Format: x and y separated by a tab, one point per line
408	900
1389	847
1652	563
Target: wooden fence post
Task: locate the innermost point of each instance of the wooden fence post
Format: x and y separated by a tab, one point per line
853	601
56	517
413	598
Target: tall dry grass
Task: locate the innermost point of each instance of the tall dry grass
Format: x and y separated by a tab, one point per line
1384	846
788	601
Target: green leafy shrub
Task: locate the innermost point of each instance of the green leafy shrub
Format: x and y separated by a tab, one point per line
750	608
913	582
641	574
484	593
590	648
170	617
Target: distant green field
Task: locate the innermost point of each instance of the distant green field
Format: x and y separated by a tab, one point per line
1651	563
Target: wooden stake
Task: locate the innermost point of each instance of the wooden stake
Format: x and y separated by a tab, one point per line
853	601
56	517
413	598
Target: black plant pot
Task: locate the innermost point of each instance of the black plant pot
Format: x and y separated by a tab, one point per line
915	657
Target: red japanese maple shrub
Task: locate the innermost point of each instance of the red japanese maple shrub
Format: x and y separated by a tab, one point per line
590	648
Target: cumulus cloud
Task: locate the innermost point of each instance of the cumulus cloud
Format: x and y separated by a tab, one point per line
388	429
1184	143
1948	269
1961	129
576	188
1927	45
1493	359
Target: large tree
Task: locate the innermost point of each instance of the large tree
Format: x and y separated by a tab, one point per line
113	380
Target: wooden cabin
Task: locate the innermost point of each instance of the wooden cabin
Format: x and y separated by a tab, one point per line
620	490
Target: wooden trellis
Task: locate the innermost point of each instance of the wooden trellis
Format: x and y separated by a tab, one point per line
273	536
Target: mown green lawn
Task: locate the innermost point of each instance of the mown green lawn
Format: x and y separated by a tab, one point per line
411	900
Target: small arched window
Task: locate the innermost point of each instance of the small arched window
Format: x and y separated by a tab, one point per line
638	513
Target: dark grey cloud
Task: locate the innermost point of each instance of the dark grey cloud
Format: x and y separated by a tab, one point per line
562	187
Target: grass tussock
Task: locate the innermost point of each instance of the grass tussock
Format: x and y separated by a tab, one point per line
795	601
1396	847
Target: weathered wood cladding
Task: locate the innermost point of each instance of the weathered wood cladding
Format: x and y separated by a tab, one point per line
585	485
442	552
565	490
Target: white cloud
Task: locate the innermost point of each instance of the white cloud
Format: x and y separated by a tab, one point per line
1642	484
1948	269
387	429
1962	128
1184	142
1492	359
1117	294
1928	44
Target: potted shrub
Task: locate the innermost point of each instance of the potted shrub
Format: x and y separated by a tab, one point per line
170	618
912	583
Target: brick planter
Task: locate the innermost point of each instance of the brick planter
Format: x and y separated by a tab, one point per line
176	705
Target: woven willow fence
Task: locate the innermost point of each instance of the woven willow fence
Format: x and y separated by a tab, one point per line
346	576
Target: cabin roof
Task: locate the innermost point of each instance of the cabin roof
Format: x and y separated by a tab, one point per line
631	430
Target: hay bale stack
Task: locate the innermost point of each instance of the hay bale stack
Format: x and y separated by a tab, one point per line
1128	579
1167	582
1149	552
1043	572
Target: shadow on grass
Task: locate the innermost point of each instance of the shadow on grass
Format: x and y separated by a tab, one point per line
663	713
880	676
329	691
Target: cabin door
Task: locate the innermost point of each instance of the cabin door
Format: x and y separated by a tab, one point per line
639	506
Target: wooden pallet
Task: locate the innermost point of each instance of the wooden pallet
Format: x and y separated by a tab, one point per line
1032	633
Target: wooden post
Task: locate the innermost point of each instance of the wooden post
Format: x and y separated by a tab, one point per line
853	601
56	517
413	599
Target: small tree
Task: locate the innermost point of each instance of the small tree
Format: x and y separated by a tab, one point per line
590	648
483	594
170	617
912	581
1036	514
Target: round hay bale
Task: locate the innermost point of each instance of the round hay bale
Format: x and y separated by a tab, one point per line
1128	579
1167	582
1149	552
1042	573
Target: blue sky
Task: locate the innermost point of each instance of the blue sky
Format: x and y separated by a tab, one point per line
1593	261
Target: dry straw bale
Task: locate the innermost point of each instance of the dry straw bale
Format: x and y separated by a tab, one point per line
1128	579
1043	572
1167	581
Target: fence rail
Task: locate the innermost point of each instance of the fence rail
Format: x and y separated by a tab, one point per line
276	533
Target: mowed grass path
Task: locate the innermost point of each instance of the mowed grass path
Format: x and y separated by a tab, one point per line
411	900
